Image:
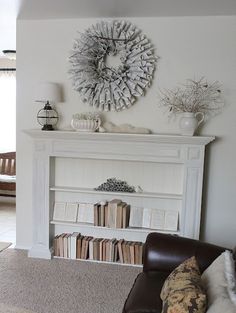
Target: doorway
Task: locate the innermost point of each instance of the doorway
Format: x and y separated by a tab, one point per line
7	146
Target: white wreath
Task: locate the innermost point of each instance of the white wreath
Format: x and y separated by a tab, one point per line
108	88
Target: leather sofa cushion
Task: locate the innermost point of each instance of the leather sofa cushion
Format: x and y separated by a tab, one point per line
144	296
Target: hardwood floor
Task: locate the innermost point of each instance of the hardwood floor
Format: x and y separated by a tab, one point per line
8	221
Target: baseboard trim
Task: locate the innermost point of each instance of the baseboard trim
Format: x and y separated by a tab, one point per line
40	252
19	247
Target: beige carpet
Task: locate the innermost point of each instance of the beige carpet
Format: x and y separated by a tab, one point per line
4	245
61	286
12	309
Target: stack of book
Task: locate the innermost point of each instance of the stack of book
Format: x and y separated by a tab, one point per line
77	246
113	214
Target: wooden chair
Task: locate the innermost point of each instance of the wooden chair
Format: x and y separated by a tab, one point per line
7	174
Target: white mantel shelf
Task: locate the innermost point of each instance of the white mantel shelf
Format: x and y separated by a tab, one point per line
157	138
185	152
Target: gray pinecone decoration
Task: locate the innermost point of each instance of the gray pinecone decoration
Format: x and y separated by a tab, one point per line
115	185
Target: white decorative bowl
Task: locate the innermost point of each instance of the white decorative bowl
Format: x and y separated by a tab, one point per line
85	125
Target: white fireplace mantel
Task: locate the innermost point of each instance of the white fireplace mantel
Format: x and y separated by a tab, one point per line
173	149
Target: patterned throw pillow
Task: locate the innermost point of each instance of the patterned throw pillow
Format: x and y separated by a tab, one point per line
182	291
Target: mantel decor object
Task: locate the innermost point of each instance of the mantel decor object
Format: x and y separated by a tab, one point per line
189	122
48	93
123	128
196	101
86	122
115	185
111	65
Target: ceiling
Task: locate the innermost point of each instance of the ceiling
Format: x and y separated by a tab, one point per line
49	9
35	9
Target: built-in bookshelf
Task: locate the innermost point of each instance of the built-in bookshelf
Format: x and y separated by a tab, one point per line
67	166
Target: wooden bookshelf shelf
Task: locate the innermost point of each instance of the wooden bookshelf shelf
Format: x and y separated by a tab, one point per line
122	230
117	194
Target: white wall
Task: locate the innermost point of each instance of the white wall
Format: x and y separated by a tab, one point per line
189	47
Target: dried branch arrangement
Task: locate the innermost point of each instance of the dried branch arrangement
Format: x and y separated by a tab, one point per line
194	96
111	88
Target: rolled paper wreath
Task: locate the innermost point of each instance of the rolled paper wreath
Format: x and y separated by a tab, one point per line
111	88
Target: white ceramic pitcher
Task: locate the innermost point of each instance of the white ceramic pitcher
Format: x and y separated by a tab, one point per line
189	122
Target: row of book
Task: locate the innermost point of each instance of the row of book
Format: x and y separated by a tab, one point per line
116	214
77	246
113	214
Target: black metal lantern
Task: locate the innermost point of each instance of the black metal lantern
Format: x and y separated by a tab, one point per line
48	93
47	117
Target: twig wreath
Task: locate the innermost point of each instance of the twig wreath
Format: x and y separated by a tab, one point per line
111	88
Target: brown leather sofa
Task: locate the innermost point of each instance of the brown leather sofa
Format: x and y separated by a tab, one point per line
163	253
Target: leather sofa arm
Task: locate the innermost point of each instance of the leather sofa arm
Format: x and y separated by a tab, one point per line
164	252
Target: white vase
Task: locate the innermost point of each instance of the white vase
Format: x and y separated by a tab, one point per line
189	122
85	125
